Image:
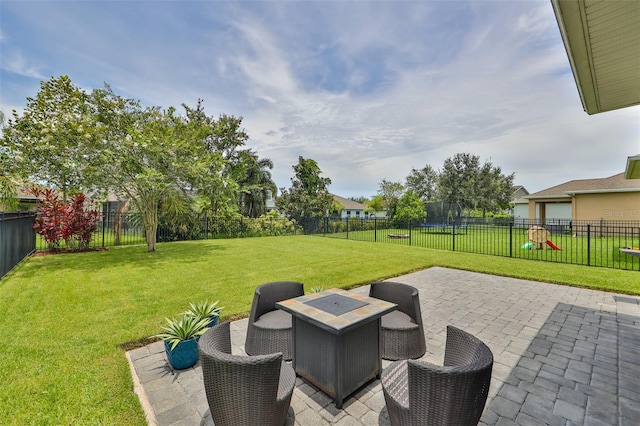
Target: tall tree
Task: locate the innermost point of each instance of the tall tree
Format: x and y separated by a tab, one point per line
458	179
8	187
410	207
224	137
152	157
495	190
309	195
423	182
46	142
475	186
255	184
69	140
390	193
248	176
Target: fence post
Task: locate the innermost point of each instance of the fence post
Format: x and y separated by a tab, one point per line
453	237
375	229
588	244
409	231
510	239
104	225
347	220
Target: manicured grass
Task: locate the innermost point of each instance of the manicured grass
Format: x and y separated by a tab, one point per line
64	317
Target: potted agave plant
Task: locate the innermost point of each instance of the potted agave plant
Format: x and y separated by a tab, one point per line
205	310
180	337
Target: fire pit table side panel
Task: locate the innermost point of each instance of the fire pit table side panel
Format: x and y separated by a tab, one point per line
337	364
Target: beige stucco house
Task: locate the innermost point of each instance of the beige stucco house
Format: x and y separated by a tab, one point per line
613	198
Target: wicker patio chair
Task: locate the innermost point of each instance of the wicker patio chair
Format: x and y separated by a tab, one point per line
420	393
270	329
244	390
402	330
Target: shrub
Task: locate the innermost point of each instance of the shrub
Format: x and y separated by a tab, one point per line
72	222
268	225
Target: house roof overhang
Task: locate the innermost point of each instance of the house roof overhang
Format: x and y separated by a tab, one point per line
557	197
602	40
603	191
633	167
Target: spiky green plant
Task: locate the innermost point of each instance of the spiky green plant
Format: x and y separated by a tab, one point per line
183	328
204	309
315	289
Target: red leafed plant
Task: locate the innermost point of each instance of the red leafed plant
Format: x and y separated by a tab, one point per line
49	221
80	223
71	222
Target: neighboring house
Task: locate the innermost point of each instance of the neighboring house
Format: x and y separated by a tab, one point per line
520	204
26	201
611	198
270	201
351	209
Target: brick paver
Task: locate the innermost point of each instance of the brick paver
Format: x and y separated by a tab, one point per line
562	356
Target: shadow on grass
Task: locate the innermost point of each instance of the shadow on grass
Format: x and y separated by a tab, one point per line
184	252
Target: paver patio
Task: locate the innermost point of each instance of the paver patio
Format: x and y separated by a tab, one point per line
562	356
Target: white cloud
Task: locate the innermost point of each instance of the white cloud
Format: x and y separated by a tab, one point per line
367	89
15	62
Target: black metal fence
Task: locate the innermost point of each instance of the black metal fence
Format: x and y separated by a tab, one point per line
590	243
17	239
127	229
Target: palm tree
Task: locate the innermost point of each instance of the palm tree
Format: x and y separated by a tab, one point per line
255	184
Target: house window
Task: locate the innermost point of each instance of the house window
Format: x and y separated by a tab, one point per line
357	212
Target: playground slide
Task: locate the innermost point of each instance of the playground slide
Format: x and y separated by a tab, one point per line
553	246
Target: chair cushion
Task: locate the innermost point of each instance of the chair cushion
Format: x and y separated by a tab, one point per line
398	320
277	319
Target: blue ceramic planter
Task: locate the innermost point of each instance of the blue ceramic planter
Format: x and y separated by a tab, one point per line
213	321
184	355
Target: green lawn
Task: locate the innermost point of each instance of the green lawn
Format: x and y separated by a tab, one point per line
64	317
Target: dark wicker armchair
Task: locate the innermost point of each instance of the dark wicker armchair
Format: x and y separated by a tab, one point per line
270	329
402	330
420	393
244	390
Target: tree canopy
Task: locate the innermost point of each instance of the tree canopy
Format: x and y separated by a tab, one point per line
463	179
100	142
475	186
410	207
391	193
423	182
309	195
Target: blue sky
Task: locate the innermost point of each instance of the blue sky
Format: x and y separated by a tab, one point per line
368	89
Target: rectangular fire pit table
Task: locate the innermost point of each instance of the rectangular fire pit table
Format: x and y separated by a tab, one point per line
336	339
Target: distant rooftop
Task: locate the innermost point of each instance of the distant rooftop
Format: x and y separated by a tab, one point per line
615	183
